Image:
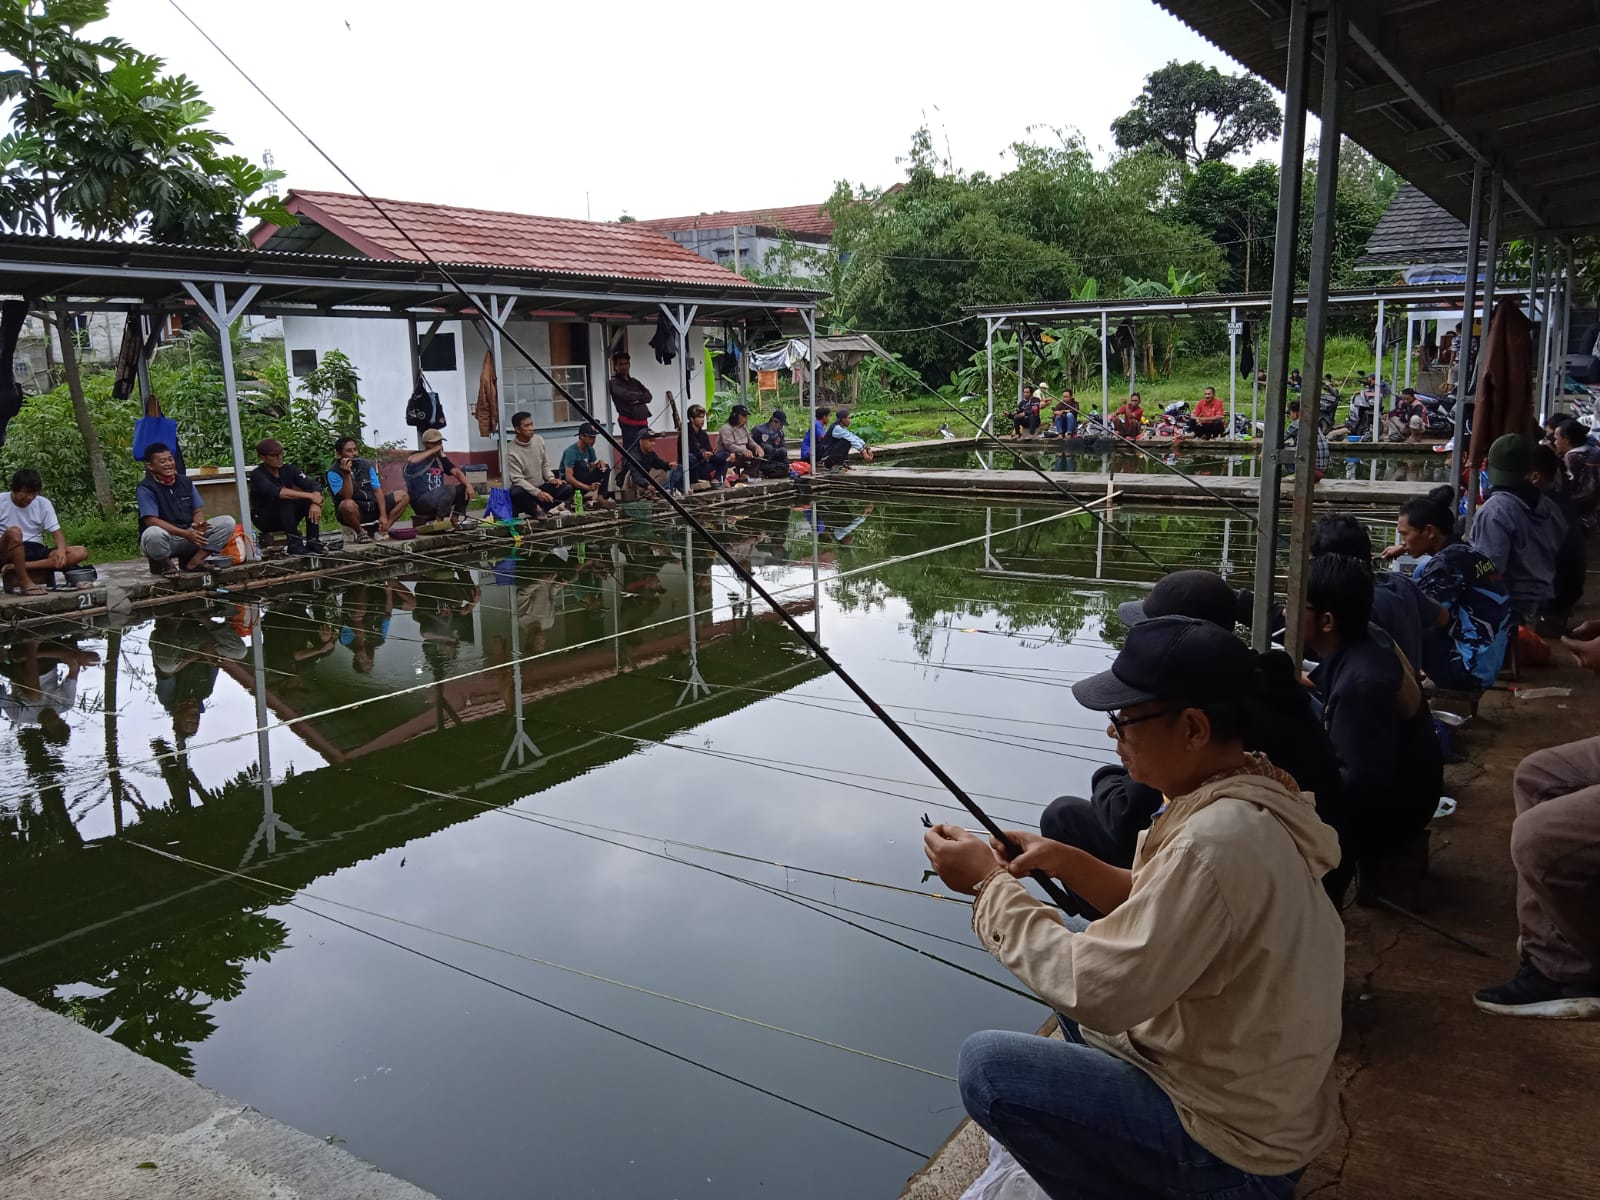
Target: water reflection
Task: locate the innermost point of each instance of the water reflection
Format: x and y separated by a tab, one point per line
375	738
1421	468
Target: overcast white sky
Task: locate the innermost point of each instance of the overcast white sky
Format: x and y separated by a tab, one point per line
652	109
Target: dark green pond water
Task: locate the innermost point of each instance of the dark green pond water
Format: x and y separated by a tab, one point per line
525	752
1426	469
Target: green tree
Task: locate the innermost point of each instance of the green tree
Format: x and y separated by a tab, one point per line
1181	97
1236	209
102	142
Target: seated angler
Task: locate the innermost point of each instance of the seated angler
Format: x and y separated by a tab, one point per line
1282	725
359	499
1466	652
818	431
1201	1015
1128	421
769	439
1376	717
1291	436
583	471
282	498
1519	527
26	520
706	465
734	439
1025	420
1399	607
437	487
172	521
1064	415
1210	418
635	484
534	488
838	443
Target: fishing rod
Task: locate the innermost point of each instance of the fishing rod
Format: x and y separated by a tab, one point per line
1051	888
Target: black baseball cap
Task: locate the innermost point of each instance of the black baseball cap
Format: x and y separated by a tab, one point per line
587	430
738	410
649	435
1181	659
781	417
1204	595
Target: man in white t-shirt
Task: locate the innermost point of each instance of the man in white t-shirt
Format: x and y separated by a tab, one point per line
26	519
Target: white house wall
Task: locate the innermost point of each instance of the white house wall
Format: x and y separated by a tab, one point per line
377	348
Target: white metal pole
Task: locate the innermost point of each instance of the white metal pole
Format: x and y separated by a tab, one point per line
809	315
1566	323
1233	370
1377	376
501	311
988	358
1105	376
1411	333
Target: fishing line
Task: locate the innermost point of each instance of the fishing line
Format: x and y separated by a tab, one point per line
295	899
596	1024
525	815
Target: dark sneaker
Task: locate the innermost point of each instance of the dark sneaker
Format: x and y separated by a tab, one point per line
1530	994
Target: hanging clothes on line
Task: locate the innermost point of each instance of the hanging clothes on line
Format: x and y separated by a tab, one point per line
487	410
792	351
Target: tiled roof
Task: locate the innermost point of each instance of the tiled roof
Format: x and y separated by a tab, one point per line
488	238
798	219
1413	229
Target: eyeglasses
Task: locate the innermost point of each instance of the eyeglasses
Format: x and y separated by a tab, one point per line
1122	724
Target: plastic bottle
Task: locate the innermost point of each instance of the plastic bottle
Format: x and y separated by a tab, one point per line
577	502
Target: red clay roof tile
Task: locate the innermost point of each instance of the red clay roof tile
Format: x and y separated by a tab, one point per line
796	219
482	236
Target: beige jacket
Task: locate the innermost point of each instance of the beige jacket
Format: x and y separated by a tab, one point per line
1220	976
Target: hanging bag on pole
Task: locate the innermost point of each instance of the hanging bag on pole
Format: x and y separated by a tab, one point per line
423	410
154	427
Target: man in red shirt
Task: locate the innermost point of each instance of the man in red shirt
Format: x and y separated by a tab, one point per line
1128	420
1209	418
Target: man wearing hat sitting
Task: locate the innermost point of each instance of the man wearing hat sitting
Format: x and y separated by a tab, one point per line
836	444
768	438
635	483
437	487
1283	726
281	497
1519	527
583	470
1201	1015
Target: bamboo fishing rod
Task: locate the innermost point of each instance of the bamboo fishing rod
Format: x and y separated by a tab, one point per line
1051	888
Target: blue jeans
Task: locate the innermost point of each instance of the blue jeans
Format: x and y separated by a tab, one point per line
1088	1126
1066	424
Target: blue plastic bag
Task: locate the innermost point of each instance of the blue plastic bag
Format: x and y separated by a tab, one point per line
500	505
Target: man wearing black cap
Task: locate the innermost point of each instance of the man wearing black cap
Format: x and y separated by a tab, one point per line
635	483
632	399
583	470
1201	1015
768	438
1282	726
281	497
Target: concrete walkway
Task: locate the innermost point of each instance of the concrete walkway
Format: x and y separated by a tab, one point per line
87	1117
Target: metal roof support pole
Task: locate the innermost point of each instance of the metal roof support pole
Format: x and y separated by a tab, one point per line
989	326
1411	336
1377	366
605	367
681	317
809	316
1566	323
1282	315
1491	268
222	317
1105	372
1021	350
1305	447
1233	372
1469	299
1539	313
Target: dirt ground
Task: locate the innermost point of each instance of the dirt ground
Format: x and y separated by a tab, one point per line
1437	1099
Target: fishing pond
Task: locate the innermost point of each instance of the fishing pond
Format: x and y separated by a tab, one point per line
564	868
1424	469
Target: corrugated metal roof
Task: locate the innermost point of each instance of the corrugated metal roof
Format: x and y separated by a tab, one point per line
1519	84
485	237
799	219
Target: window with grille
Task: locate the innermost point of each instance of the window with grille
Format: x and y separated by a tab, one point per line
527	391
